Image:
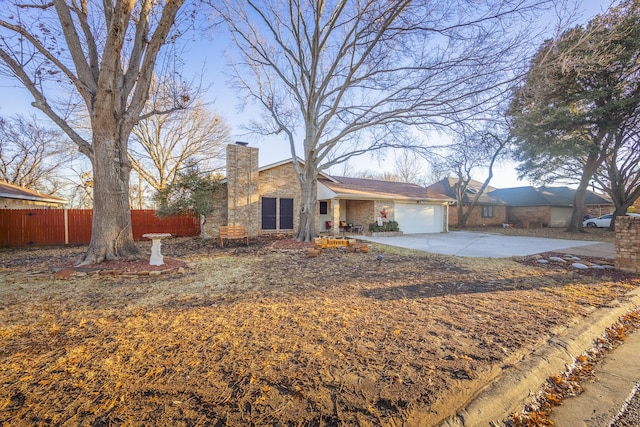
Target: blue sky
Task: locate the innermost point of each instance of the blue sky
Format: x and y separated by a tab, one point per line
208	55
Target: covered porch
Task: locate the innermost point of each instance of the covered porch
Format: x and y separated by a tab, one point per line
342	216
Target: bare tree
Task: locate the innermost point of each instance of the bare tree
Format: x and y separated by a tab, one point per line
381	176
30	153
619	176
475	149
409	168
163	146
105	54
77	188
344	78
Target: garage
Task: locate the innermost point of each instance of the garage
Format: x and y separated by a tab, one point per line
415	218
560	217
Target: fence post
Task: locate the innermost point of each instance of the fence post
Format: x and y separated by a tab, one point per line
66	226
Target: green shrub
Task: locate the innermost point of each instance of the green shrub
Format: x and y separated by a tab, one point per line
386	226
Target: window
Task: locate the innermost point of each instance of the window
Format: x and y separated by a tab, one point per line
487	212
272	216
286	214
324	208
268	213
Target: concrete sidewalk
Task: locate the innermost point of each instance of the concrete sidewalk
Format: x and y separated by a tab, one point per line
601	402
490	245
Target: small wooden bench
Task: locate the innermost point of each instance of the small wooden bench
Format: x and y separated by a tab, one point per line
230	232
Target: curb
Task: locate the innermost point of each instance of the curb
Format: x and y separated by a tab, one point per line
507	394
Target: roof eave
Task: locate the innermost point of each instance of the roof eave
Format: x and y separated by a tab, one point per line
372	196
32	198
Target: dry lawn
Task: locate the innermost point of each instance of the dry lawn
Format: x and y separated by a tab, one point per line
267	336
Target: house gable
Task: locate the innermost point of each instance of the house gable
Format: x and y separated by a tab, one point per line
447	186
280	182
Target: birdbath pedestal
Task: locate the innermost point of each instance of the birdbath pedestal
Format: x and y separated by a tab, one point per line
156	255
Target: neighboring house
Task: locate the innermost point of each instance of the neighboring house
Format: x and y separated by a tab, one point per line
15	197
547	206
267	200
521	206
488	209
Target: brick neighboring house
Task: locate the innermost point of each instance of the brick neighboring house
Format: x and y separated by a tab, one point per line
488	210
522	206
15	197
267	200
547	206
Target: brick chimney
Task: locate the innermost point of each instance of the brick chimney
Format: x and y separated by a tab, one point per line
242	187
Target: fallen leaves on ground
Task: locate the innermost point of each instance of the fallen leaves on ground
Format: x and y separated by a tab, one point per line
569	383
264	335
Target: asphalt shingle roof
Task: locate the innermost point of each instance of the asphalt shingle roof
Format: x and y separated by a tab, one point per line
545	196
378	188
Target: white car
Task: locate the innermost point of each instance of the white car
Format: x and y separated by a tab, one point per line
602	221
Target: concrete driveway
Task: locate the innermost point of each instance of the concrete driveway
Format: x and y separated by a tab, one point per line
489	245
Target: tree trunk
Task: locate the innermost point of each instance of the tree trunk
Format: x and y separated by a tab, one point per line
462	218
203	221
577	216
618	195
111	233
621	210
309	187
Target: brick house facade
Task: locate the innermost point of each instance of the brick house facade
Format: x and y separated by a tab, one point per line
267	200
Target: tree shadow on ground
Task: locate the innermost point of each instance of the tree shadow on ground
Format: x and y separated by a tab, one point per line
452	288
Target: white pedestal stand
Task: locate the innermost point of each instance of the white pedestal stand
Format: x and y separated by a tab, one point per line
156	255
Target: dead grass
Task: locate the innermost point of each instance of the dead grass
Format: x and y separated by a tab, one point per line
259	336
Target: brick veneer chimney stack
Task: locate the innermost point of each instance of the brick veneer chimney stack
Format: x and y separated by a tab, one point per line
628	244
242	187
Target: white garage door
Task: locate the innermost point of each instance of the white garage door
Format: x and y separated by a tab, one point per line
419	218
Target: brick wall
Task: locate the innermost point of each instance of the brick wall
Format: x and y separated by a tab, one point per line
476	219
380	205
363	212
282	182
531	215
628	244
599	210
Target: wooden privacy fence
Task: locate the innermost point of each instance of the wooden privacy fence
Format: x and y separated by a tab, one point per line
27	227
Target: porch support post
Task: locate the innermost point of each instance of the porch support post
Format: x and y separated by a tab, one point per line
335	220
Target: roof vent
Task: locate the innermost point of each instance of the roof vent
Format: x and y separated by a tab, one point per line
244	144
